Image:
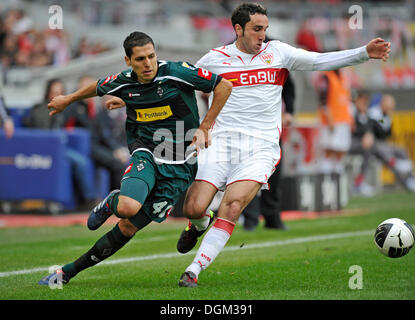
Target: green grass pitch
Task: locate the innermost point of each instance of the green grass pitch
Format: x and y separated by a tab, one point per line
310	261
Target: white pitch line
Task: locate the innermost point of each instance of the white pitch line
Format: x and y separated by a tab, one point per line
230	248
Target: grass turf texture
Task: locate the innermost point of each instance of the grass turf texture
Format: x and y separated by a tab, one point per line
308	269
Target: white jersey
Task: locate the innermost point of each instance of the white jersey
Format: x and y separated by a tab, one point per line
254	106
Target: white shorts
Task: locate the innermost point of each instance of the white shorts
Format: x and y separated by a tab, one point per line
236	157
340	139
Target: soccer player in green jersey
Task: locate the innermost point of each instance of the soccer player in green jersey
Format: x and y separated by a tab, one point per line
163	134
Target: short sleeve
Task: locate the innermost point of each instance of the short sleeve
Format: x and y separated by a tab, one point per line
108	85
197	77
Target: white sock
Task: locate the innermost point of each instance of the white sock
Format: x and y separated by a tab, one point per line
212	244
201	223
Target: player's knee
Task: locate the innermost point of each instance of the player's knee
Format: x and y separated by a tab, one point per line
127	228
192	209
233	210
128	207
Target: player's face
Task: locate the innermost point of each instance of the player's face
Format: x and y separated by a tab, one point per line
143	61
252	37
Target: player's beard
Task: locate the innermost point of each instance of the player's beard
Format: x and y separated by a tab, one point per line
249	46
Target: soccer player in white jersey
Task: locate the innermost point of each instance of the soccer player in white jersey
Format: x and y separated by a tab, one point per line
245	150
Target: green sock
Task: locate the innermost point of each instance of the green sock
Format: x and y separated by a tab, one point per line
113	203
105	247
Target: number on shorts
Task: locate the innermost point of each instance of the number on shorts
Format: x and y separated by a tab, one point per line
160	208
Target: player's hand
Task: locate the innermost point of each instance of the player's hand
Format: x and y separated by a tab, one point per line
58	104
378	49
114	103
201	139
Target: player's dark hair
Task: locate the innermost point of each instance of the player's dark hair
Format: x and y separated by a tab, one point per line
136	39
242	14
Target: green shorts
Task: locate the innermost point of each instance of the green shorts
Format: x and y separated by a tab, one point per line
165	182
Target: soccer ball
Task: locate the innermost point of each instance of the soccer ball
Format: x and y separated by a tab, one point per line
394	237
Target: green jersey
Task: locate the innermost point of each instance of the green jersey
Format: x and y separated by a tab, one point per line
161	115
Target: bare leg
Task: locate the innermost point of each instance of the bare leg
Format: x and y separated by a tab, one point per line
198	198
236	198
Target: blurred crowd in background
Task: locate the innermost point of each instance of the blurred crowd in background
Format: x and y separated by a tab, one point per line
315	25
24	45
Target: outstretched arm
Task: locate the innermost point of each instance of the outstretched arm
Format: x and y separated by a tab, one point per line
59	103
375	49
299	59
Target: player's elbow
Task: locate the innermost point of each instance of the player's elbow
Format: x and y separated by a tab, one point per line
224	86
228	85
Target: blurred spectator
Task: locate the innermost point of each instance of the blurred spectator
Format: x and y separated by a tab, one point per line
117	120
5	120
336	119
86	48
8	50
108	124
21	45
39	115
397	158
106	152
38	55
306	39
57	44
39	118
363	142
369	140
382	114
